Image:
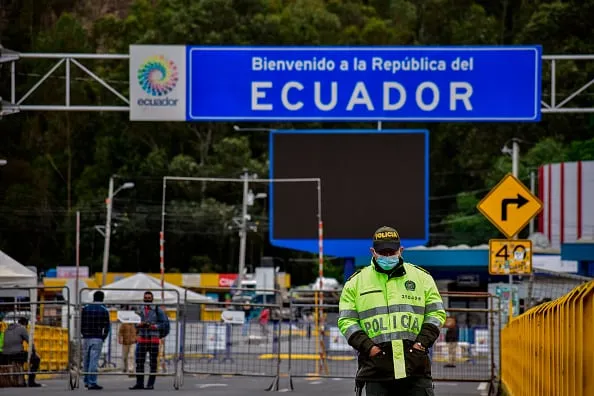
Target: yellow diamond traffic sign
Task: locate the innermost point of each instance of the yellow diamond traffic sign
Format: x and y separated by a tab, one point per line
510	206
510	257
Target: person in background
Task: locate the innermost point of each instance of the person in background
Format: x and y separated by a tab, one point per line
3	327
263	320
247	310
451	339
150	329
127	338
13	350
95	327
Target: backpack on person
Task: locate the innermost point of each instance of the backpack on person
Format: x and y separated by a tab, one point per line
165	327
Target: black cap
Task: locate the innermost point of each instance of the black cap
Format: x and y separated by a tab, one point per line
386	238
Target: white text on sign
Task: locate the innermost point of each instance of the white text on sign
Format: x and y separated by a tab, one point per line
377	64
394	96
325	95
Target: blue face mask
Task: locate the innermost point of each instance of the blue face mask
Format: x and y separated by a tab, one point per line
388	262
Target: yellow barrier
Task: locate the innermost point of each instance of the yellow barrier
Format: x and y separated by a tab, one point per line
51	344
549	350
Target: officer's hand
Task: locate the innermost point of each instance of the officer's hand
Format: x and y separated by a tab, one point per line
375	350
419	346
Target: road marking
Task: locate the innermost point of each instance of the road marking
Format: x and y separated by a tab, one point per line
284	390
315	382
210	385
483	388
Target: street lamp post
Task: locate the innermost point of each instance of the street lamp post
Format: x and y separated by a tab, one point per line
243	228
109	202
248	200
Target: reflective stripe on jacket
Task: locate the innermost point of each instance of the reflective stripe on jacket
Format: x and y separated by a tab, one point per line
391	311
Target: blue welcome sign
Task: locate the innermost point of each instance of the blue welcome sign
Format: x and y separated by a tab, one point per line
455	84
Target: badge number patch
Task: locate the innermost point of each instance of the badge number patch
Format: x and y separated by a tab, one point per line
410	285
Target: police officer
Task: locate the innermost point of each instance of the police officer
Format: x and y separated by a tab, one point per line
391	313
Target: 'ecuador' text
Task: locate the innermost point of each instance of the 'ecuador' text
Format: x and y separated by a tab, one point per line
294	95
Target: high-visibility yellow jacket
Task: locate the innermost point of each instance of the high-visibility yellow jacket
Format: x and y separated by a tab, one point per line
391	310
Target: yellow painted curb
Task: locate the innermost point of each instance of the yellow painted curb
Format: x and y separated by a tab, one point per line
191	355
445	360
299	333
312	356
48	376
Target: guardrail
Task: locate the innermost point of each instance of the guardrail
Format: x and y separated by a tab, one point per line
549	350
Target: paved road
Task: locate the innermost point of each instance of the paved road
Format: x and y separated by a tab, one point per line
229	386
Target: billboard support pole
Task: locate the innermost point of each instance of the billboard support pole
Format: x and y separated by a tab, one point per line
317	180
319	302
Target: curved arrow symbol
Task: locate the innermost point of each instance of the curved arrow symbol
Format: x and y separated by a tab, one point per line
519	200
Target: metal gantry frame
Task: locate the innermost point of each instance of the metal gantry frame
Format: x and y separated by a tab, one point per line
15	105
555	104
560	107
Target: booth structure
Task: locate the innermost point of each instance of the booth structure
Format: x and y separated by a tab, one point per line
583	252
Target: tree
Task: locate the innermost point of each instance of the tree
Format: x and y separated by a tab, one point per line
60	163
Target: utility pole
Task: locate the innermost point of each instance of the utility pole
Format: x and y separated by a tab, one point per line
77	257
533	191
243	227
515	158
107	231
516	173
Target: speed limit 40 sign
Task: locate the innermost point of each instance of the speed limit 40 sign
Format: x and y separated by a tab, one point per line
510	256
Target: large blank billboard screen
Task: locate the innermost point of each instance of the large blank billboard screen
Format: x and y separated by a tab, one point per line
368	179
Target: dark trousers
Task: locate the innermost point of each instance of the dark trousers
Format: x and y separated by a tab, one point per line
141	350
411	386
21	358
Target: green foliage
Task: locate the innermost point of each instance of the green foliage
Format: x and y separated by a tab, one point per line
60	163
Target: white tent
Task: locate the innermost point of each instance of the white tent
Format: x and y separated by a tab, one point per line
134	286
16	280
14	274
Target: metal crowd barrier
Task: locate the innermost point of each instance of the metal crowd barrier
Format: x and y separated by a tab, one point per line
549	350
316	346
297	336
325	353
474	357
235	337
48	327
121	303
